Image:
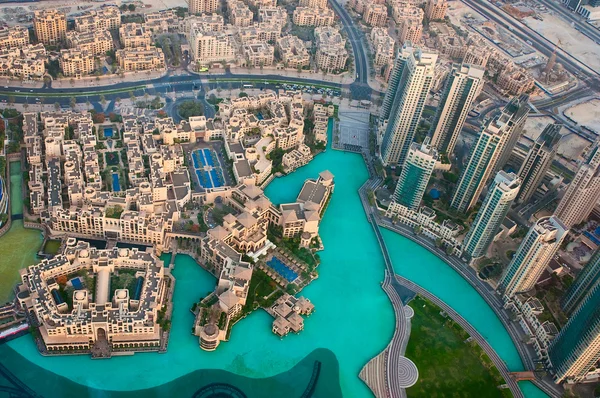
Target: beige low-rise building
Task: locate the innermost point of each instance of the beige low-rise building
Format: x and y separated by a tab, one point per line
211	46
13	37
296	158
105	18
27	62
515	81
76	63
137	59
331	49
259	33
313	3
272	16
293	52
98	323
239	13
436	9
259	54
97	42
375	15
410	22
383	46
203	6
162	21
134	35
50	26
305	16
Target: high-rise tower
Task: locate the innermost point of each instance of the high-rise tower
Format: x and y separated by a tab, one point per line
499	198
417	69
462	88
533	255
587	278
493	144
538	161
583	192
576	349
416	173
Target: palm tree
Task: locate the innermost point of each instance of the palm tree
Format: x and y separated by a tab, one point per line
132	96
102	99
56	106
73	102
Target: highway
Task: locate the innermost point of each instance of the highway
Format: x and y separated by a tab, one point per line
360	88
572	17
525	33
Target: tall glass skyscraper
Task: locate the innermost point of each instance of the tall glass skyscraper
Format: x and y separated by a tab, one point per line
462	87
576	349
416	173
532	256
416	72
501	194
587	278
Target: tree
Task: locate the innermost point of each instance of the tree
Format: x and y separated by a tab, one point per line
102	99
73	102
131	7
56	106
11	99
449	250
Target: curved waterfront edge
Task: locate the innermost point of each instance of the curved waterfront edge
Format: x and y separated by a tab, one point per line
316	375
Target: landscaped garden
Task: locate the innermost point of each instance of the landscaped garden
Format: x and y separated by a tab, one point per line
449	365
112	158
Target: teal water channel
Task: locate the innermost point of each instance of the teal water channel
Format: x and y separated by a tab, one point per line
353	319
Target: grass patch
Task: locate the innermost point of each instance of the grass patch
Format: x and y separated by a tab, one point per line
112	158
276	81
448	366
71	92
51	246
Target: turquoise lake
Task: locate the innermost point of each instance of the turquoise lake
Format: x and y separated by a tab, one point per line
353	317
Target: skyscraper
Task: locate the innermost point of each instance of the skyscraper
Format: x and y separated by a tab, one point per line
587	278
416	172
500	196
417	69
513	117
538	161
50	26
576	349
390	94
492	145
462	87
532	256
583	192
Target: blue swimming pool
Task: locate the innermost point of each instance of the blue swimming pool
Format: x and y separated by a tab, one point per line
115	182
203	178
259	116
282	269
108	132
215	178
208	158
76	282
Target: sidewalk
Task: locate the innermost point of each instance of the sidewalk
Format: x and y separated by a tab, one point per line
345	78
93	81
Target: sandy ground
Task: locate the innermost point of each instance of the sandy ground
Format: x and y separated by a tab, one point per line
580	46
458	10
586	114
571	145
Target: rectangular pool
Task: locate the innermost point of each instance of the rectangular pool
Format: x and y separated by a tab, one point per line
208	158
108	132
115	182
282	269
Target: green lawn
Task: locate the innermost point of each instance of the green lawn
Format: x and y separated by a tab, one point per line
112	158
448	367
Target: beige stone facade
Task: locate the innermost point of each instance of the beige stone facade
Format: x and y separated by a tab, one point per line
210	46
27	62
436	9
313	3
375	15
203	6
105	18
239	13
259	54
134	35
76	63
515	82
162	21
50	26
140	58
293	51
97	42
331	49
13	37
383	46
410	22
305	16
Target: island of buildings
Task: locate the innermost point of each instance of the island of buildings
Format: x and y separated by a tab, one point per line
136	183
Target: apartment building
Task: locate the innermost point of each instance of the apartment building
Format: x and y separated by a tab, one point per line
331	49
436	9
305	16
76	63
259	54
27	62
134	35
50	26
13	37
162	21
410	22
383	48
272	16
140	58
313	3
105	18
416	172
375	15
515	81
293	52
97	42
203	6
211	46
239	13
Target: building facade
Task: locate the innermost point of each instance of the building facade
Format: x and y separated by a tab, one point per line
538	161
533	255
436	9
462	88
50	26
496	205
582	194
203	6
416	172
585	281
411	79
